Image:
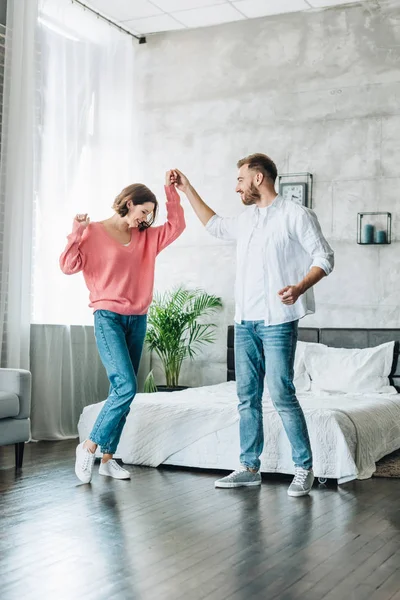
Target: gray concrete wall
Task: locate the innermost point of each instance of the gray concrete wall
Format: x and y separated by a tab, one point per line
318	92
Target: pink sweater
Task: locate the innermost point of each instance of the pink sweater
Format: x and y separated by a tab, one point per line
121	278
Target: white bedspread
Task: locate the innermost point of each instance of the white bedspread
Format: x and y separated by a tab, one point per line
348	432
160	424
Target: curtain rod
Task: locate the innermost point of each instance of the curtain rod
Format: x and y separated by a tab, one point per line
141	39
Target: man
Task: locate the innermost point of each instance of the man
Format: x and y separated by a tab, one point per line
281	254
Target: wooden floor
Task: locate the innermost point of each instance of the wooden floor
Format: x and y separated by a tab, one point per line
169	534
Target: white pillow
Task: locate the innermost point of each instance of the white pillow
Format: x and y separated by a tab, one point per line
349	370
302	381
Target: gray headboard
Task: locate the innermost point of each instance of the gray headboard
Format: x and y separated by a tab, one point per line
337	338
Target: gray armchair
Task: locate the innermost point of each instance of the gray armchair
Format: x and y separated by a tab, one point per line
15	408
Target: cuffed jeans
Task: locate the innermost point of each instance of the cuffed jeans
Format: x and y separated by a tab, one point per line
268	351
120	341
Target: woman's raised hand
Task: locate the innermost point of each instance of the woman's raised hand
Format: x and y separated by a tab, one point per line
181	182
170	178
82	219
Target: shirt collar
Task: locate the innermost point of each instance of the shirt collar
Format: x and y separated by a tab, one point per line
277	203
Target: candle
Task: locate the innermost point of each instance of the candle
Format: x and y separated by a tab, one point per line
381	237
368	234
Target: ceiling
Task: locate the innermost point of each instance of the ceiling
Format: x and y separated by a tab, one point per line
143	17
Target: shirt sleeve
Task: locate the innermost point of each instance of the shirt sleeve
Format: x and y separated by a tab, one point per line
311	238
224	228
72	260
175	224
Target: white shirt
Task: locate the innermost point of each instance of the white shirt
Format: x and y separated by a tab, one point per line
292	243
254	284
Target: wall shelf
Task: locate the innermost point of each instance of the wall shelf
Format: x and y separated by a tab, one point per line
374	228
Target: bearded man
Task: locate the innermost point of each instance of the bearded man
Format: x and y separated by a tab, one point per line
281	255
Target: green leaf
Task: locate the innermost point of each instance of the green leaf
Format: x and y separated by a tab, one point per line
149	384
174	332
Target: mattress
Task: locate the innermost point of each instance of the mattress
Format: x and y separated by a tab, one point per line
199	428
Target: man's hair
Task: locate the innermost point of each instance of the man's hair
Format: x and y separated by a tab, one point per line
139	194
261	163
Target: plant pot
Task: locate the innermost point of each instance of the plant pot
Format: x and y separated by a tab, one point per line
177	388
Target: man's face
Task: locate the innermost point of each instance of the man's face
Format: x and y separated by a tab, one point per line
247	185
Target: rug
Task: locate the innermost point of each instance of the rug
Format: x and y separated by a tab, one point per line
388	466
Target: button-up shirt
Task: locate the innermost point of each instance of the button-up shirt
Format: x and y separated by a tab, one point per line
293	243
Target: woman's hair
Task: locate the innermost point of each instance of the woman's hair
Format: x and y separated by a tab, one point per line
139	194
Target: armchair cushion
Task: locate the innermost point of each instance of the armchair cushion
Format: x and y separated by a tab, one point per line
18	381
9	405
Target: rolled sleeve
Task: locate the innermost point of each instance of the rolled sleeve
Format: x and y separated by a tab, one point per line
325	263
314	243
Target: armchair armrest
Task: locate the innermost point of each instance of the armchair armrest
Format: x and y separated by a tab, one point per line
18	381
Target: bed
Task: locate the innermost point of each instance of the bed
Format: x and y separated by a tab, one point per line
198	427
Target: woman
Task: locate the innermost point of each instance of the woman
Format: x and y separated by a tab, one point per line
117	257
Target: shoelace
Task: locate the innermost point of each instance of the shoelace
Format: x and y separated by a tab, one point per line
88	461
237	472
114	465
300	476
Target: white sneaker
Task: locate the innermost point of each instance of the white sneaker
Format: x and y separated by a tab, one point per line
112	469
84	463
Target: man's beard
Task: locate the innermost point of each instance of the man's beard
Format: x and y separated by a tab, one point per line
252	196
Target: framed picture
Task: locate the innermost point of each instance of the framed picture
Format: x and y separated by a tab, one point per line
295	191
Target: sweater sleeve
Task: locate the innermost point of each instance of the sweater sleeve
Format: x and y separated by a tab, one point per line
175	224
72	260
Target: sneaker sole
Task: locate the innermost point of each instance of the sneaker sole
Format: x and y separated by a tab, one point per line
235	485
299	494
120	478
82	480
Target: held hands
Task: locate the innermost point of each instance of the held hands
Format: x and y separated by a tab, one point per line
290	294
178	179
169	178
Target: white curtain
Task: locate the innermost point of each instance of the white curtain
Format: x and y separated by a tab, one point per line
87	150
86	155
17	183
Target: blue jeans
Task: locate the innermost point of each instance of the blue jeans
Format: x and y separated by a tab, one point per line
268	351
120	341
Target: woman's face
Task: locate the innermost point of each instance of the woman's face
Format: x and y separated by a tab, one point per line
139	213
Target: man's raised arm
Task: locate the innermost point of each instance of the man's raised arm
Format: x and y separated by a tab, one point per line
220	227
202	210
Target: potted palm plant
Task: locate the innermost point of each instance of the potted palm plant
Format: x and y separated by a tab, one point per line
174	332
